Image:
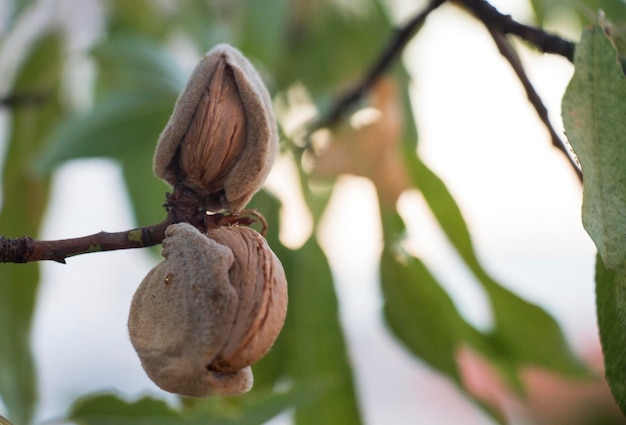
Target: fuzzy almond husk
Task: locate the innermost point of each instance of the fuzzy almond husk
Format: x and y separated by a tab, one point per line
221	139
208	311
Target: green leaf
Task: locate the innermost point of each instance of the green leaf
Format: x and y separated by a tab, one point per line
423	316
138	84
316	352
132	63
140	16
256	37
329	43
413	298
116	127
25	197
523	334
109	409
146	191
611	307
594	108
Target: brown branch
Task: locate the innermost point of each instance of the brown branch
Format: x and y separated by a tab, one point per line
496	21
26	249
508	52
485	12
385	59
182	206
15	100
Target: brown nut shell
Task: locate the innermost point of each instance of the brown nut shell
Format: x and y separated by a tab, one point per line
221	139
209	310
259	279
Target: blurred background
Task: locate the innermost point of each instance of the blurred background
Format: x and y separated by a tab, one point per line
396	315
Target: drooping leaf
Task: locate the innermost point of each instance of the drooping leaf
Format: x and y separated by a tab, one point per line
133	63
316	352
421	313
116	127
138	84
523	333
423	316
611	307
24	200
593	114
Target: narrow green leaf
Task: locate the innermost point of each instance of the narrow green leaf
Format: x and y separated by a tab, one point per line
423	316
316	353
138	84
523	334
116	127
611	307
127	63
24	201
594	108
421	313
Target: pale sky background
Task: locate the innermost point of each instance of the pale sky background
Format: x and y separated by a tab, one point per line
477	131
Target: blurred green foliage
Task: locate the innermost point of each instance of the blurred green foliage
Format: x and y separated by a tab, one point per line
322	47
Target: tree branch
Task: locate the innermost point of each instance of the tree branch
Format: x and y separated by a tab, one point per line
485	12
385	59
15	100
182	206
496	21
26	249
508	52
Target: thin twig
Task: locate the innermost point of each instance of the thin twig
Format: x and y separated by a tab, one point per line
15	100
385	59
544	41
26	249
508	52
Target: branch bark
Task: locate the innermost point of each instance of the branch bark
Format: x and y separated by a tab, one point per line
26	249
385	59
481	9
508	52
544	41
